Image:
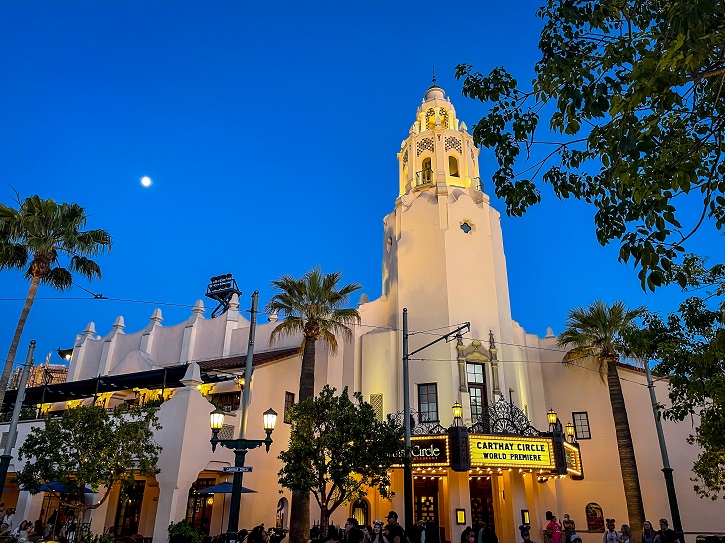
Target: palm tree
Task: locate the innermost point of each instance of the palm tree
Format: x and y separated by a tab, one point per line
596	333
33	238
312	306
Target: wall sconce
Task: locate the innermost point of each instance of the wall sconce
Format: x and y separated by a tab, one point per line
460	516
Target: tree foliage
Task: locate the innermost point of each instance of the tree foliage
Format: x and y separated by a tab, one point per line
90	446
338	448
34	238
635	89
689	346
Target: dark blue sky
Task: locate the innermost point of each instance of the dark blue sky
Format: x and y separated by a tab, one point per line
270	131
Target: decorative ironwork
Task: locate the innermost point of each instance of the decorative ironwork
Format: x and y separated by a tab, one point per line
503	417
419	427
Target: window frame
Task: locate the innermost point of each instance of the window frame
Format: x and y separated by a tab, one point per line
425	416
289	401
579	428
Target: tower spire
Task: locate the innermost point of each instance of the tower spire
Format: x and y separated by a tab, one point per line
434	75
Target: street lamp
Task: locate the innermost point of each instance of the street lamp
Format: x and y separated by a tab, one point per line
551	417
240	447
570	432
457	414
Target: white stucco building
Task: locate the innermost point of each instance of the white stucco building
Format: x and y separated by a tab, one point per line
443	260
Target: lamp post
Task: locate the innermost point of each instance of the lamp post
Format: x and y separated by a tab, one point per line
240	447
407	461
13	430
557	439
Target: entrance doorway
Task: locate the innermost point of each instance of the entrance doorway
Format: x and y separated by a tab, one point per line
482	501
128	513
426	507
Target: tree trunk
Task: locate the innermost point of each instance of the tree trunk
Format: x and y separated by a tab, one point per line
8	367
324	521
307	372
300	506
627	460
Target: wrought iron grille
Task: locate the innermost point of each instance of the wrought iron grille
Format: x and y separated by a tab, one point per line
417	426
502	417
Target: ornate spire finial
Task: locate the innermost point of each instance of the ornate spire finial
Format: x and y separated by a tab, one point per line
434	75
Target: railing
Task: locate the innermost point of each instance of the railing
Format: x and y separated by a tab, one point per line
423	178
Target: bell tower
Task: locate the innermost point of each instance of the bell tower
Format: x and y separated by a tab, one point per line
438	149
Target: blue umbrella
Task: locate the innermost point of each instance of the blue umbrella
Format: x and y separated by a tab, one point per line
223	488
60	488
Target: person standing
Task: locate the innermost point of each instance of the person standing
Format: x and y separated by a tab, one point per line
667	535
486	534
555	529
378	536
648	533
395	530
626	534
353	534
611	535
526	536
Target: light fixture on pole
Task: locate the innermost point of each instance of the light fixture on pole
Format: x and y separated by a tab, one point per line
407	460
551	417
240	447
457	414
570	432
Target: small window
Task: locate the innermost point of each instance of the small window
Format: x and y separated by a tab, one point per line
581	425
427	172
452	166
428	402
289	401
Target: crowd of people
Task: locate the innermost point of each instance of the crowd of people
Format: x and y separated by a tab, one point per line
59	526
565	532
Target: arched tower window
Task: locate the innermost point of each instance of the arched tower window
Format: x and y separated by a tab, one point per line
427	173
430	119
444	117
453	166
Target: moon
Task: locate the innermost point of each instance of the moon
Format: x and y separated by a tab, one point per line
146	181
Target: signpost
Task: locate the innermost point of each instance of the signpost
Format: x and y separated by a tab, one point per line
237	469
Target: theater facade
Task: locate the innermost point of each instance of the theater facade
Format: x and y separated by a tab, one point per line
528	435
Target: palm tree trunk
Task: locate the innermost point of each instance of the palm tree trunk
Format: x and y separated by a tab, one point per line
300	506
307	372
627	460
8	366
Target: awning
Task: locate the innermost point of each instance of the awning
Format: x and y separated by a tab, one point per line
60	488
223	488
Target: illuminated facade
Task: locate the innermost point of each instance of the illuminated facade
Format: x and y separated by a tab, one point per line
443	261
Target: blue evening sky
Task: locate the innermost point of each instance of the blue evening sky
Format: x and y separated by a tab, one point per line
270	130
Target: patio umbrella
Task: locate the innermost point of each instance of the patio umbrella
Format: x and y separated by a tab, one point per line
223	488
60	487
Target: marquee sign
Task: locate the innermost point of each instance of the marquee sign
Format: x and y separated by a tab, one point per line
573	461
494	451
429	451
